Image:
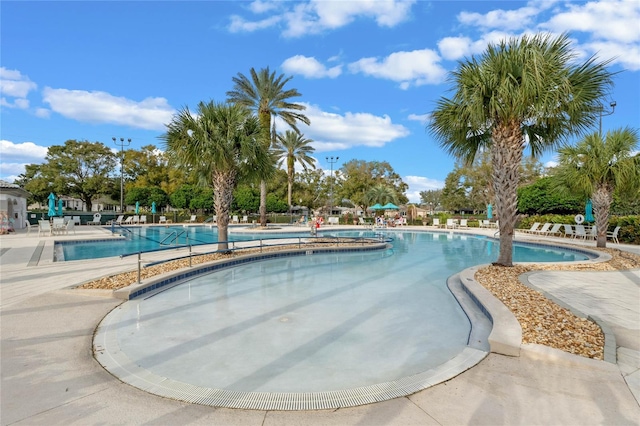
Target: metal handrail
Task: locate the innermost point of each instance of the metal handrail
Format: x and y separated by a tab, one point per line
175	236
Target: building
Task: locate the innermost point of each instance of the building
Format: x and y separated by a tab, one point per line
13	205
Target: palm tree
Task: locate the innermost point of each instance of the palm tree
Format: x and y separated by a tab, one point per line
598	167
381	194
266	96
218	144
527	91
293	147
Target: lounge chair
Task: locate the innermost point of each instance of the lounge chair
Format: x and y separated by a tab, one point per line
117	221
245	219
143	219
192	219
128	220
555	230
96	219
436	222
534	228
136	219
545	228
58	225
580	232
451	224
162	219
76	220
234	219
463	223
485	224
44	227
613	235
27	225
568	231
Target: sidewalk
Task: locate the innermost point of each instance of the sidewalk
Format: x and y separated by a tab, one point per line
49	375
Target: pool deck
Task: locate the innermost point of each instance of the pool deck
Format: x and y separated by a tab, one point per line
49	375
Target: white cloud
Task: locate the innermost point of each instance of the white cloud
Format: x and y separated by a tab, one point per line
504	19
15	156
418	184
309	67
334	132
628	55
316	16
456	48
101	107
416	68
422	118
15	85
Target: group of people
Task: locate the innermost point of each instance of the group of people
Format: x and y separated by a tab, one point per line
390	222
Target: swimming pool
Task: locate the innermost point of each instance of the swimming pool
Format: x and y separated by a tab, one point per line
307	326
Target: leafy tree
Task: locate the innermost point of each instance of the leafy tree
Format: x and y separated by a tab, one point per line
138	194
77	168
541	197
246	198
265	94
597	167
431	197
528	90
220	143
275	204
158	196
292	148
308	188
454	196
357	177
202	199
181	197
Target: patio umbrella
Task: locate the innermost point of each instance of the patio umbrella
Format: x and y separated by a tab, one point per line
52	205
588	212
376	206
153	208
60	213
389	206
489	211
137	207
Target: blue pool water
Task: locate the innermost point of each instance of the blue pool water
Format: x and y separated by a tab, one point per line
325	322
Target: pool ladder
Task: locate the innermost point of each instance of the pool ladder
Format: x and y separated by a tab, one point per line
173	238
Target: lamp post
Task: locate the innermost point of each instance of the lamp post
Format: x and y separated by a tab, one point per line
332	161
121	143
604	113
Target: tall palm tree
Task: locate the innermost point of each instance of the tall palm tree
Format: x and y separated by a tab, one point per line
293	147
381	194
265	94
218	143
527	91
598	167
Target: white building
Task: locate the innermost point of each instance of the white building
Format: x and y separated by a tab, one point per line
13	204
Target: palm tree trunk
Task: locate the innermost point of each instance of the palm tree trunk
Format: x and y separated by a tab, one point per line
263	203
602	200
506	156
223	184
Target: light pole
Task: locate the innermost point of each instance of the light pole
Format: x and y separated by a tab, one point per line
121	143
604	113
332	161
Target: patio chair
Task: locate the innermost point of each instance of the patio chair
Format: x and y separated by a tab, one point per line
234	219
613	235
162	219
143	219
192	219
58	225
580	232
436	222
76	220
136	219
128	220
71	226
555	230
44	226
534	228
117	221
451	224
568	231
96	219
245	219
545	228
463	223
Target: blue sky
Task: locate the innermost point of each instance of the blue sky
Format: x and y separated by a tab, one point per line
369	71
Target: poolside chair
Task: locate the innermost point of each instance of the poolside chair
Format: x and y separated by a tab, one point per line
143	219
27	225
76	220
96	219
44	226
436	222
245	219
485	224
117	221
534	228
71	226
580	232
555	230
234	219
613	235
463	223
162	219
58	225
136	219
568	231
451	224
545	228
192	219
